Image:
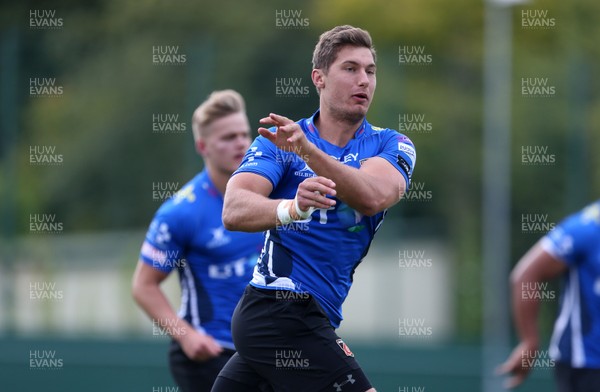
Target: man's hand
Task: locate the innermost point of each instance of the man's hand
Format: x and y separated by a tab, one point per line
516	365
312	191
198	346
288	136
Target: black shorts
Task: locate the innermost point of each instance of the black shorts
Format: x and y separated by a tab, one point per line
194	376
571	379
285	340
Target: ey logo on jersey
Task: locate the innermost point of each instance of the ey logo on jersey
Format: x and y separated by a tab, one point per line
346	158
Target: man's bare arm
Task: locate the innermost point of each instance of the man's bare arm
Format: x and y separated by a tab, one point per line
147	293
535	266
247	206
377	185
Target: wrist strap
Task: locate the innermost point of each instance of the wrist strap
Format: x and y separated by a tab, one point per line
283	212
289	211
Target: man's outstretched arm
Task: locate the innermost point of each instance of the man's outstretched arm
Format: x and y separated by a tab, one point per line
377	185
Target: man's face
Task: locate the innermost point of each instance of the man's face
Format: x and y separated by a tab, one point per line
227	141
347	88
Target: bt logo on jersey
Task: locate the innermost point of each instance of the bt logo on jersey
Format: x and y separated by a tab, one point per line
227	270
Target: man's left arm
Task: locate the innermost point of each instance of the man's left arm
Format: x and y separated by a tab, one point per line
377	185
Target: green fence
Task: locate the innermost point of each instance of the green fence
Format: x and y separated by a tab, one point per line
64	365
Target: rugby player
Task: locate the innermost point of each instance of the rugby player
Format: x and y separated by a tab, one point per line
571	252
214	264
320	188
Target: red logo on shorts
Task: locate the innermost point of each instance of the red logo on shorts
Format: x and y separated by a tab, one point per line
344	347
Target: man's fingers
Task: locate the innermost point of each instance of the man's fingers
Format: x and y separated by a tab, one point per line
275	119
503	369
323	181
323	202
280	119
515	371
216	349
318	184
266	120
272	137
313	192
318	192
514	381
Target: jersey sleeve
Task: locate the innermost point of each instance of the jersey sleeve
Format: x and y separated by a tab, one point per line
262	158
571	239
164	245
400	152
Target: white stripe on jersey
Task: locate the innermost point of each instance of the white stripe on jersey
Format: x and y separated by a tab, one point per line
570	310
259	280
153	253
193	295
270	262
185	297
578	360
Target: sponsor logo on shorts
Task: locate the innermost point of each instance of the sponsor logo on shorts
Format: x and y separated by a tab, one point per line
338	385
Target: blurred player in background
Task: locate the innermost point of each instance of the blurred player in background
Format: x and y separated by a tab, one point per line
320	188
572	252
214	264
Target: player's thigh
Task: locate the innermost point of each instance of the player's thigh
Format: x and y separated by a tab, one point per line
304	353
569	379
238	376
587	380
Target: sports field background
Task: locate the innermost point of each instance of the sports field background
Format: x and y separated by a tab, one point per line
95	107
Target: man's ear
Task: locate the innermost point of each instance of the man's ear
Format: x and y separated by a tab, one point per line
200	147
318	78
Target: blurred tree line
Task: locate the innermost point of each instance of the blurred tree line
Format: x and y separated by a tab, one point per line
103	122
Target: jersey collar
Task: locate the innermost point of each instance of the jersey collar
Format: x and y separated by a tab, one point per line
208	185
312	128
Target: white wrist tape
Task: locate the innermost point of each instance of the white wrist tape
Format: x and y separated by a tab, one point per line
302	214
283	212
289	211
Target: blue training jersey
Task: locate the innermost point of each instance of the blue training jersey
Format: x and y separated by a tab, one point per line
576	241
214	264
318	255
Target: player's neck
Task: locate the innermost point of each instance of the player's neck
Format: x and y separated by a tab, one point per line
336	131
218	178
